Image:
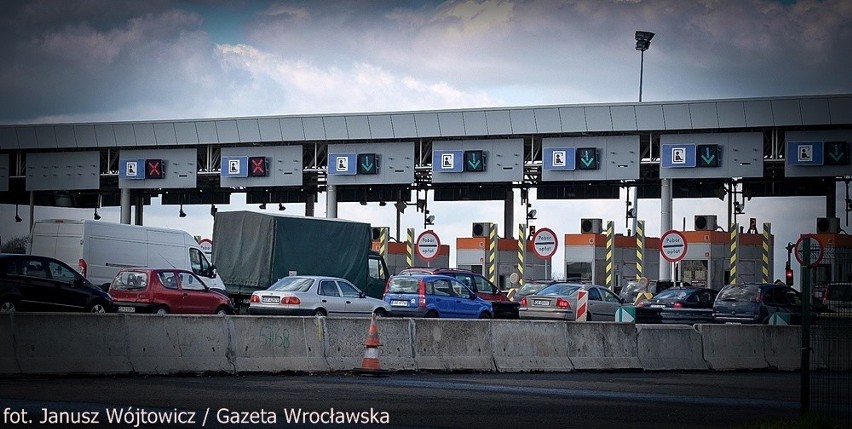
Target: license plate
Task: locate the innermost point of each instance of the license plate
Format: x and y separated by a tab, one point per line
657	306
540	302
269	300
124	309
399	303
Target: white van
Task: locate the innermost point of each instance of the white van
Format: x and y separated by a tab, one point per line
99	250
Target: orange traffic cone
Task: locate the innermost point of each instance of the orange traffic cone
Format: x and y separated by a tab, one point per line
370	364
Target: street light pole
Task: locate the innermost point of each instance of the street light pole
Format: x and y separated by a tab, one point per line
643	42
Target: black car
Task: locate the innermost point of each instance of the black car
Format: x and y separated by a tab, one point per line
40	283
683	305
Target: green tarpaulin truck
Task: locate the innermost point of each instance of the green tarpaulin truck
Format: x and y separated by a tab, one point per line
253	250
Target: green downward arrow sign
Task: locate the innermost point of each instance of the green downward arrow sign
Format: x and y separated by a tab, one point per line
707	157
836	154
474	162
587	160
368	166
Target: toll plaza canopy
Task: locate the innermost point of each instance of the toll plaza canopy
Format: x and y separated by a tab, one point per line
776	146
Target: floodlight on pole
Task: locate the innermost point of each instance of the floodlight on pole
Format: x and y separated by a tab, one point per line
643	42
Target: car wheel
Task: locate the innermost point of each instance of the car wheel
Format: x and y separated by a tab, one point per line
485	315
588	317
97	307
7	306
222	311
431	314
161	310
320	312
380	312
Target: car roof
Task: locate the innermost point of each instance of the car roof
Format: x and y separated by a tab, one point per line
424	276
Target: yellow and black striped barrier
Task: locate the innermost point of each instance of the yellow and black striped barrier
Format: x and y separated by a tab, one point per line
384	232
764	257
640	249
735	240
409	248
492	253
522	242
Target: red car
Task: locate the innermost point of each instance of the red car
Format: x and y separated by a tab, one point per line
163	291
500	303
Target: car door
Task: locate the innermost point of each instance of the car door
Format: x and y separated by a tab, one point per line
464	307
442	297
168	293
196	298
355	302
330	299
611	303
68	289
36	286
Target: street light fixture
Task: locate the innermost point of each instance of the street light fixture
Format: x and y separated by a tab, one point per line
643	42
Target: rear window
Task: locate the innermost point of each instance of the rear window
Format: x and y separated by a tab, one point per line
403	285
558	290
292	284
740	293
672	294
130	280
531	288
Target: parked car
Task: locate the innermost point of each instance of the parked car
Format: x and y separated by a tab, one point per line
502	306
317	296
756	303
559	301
428	295
683	305
167	290
631	291
530	287
41	283
837	297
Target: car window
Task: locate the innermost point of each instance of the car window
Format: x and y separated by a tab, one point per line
441	287
292	284
403	285
348	290
672	294
129	280
328	288
483	285
168	279
14	267
35	268
774	296
608	296
594	295
558	290
791	297
460	289
61	273
190	282
198	262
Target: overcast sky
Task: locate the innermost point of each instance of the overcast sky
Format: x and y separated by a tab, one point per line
117	60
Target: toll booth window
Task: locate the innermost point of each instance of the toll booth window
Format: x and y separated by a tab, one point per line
581	271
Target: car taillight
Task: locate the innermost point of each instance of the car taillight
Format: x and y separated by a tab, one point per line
421	292
84	267
254	298
291	300
387	285
562	303
678	304
524	302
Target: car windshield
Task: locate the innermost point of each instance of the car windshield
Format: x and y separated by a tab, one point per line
558	290
130	280
674	294
739	293
292	284
403	285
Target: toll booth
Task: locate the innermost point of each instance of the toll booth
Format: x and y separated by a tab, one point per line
585	258
835	265
397	257
472	254
709	252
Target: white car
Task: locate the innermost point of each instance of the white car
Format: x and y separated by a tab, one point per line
317	296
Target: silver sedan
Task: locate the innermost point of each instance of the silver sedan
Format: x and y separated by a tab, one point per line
559	301
317	296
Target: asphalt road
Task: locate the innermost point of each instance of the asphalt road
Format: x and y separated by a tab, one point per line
657	400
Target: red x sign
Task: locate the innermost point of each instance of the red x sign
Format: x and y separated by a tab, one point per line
154	168
257	166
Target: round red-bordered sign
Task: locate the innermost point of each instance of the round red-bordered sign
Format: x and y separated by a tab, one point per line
815	251
673	246
544	243
427	245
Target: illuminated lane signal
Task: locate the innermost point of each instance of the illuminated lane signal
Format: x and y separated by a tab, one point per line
154	169
587	158
708	155
474	160
368	163
836	153
257	166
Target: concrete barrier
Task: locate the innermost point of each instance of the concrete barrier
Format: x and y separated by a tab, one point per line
603	345
170	344
70	344
783	347
278	344
730	347
8	363
452	345
670	347
521	345
345	343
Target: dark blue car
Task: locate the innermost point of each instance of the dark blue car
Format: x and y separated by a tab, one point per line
434	296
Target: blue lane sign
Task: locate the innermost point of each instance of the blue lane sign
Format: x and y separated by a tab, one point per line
342	164
804	153
559	158
131	169
234	166
677	156
447	161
